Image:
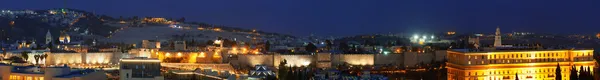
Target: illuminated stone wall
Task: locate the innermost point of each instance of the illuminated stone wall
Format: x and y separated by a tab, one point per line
353	59
78	58
251	60
381	59
294	60
63	58
98	58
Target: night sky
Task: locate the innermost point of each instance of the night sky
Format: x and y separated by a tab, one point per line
353	17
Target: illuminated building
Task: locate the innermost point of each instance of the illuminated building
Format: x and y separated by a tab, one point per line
504	64
150	44
157	20
23	72
64	38
498	38
140	68
144	52
189	56
598	35
48	37
180	45
422	39
450	33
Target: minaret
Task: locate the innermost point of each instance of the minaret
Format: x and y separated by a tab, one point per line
48	37
498	39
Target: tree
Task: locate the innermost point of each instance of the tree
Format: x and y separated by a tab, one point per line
210	42
399	42
343	46
51	45
25	55
581	73
589	74
573	74
15	59
389	44
121	18
328	44
311	47
37	58
3	52
182	19
43	56
557	72
135	17
267	46
282	72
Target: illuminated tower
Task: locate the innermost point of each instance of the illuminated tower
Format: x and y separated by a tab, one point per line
498	39
48	37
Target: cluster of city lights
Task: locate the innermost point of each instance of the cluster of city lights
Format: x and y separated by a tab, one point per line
421	39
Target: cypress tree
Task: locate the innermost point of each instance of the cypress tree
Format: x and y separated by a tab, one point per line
557	72
573	75
581	71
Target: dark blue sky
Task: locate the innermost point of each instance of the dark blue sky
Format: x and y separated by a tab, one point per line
352	17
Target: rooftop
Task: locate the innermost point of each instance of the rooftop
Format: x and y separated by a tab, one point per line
77	73
510	50
25	69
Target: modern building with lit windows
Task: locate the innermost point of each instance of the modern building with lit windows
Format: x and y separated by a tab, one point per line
534	64
140	68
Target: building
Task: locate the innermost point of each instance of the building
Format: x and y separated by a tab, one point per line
48	37
144	52
598	35
21	72
504	64
152	44
64	38
261	71
498	38
180	45
140	68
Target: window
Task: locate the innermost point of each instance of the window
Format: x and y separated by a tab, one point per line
482	57
469	57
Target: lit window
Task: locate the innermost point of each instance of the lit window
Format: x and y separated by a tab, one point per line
469	62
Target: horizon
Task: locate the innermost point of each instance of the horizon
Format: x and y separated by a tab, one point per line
297	18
